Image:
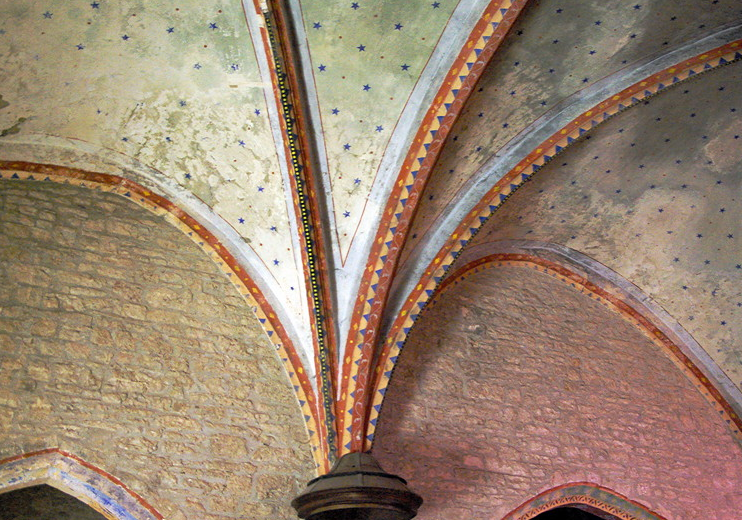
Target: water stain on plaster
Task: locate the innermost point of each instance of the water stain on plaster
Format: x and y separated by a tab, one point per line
16	128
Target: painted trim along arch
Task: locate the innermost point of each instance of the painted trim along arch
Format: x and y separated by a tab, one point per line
606	287
78	478
592	497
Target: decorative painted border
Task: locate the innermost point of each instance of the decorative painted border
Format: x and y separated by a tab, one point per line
470	225
24	171
587	494
481	45
82	480
306	207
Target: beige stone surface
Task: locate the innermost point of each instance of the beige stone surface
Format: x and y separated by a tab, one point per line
109	351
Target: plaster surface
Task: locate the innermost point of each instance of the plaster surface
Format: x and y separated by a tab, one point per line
556	49
654	194
366	58
175	86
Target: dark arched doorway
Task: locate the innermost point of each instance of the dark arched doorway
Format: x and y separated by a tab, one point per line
44	503
571	513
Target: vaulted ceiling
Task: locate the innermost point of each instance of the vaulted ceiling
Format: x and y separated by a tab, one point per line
336	157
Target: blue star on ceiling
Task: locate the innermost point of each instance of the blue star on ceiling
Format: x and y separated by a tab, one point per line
48	14
213	26
398	26
261	189
241	220
80	46
379	128
354	5
367	87
435	5
335	111
95	5
346	146
405	67
346	214
125	37
317	25
361	48
257	111
322	68
171	29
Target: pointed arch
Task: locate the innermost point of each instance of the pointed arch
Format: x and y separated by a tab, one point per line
214	247
584	495
71	474
602	285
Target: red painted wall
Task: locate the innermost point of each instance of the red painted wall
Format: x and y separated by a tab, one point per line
516	382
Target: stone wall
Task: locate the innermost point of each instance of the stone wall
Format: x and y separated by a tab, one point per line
122	343
515	383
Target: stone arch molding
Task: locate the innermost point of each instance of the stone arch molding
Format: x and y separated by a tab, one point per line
82	480
593	498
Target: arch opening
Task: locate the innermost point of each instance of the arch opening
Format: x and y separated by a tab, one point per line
44	502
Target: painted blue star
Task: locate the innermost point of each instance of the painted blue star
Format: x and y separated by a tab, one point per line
346	214
335	111
171	29
197	66
398	26
436	5
241	220
182	103
48	14
257	111
168	139
317	25
95	5
234	66
125	37
379	128
80	46
598	22
212	25
241	142
276	262
261	189
591	52
322	68
559	11
274	228
126	139
187	175
361	48
346	146
356	181
637	6
366	87
354	5
405	67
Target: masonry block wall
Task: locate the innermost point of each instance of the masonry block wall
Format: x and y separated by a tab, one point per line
121	342
515	383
